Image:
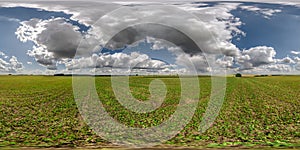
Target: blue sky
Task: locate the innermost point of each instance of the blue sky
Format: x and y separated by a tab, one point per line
279	31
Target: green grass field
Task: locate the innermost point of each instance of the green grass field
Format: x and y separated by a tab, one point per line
40	111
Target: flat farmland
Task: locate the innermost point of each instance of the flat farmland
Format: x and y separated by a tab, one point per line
40	111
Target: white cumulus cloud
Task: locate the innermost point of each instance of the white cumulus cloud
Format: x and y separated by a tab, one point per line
256	56
134	60
295	52
280	68
286	60
266	12
54	39
9	65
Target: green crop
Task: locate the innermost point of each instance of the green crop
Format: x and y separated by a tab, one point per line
40	111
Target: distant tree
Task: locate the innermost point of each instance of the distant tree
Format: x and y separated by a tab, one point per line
136	74
238	75
59	74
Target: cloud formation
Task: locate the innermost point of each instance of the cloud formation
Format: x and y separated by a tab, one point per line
256	56
265	12
198	63
137	33
286	60
295	52
221	23
9	65
54	39
282	68
124	61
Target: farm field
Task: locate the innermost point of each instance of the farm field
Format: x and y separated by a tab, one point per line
40	111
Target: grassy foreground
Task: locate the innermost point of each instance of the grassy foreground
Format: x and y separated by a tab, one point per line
40	111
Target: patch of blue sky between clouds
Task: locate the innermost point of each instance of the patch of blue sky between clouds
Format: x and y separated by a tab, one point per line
280	31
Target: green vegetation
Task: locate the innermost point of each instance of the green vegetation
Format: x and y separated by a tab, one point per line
41	111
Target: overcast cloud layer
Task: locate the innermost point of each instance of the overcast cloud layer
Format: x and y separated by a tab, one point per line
56	40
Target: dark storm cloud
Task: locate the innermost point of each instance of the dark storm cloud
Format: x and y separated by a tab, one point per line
136	33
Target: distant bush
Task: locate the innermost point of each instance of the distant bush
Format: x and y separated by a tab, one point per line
60	74
238	75
264	75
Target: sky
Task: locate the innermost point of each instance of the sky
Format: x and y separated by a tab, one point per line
161	37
